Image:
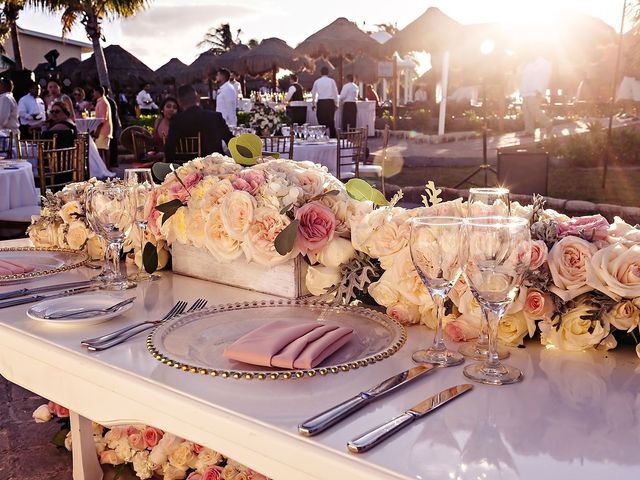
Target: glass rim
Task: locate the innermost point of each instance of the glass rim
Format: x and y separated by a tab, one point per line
437	220
500	190
137	170
496	220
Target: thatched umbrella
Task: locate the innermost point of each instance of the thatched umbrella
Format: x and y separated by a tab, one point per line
124	68
431	31
271	55
363	68
172	71
306	78
339	39
207	63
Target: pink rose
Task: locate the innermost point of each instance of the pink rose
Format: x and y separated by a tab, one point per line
109	457
136	441
131	430
197	448
317	225
180	191
194	476
58	410
538	305
592	228
405	313
212	473
151	436
253	475
249	180
460	329
539	252
115	434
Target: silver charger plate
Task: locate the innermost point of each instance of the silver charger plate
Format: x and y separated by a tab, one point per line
47	260
194	342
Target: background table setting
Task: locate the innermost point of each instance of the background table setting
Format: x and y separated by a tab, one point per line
17	185
301	382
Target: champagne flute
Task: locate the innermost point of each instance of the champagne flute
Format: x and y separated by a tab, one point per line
499	251
438	248
486	202
111	209
142	186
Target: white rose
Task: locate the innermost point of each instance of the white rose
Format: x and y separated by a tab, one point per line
70	211
512	329
207	458
95	247
383	292
624	316
217	239
196	220
568	261
576	333
615	271
311	182
405	279
68	442
319	279
44	236
522	211
216	193
621	231
405	313
161	451
175	229
123	449
182	456
236	211
170	472
258	244
141	465
76	235
42	414
338	251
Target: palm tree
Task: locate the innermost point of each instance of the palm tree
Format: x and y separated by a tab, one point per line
220	39
91	13
10	12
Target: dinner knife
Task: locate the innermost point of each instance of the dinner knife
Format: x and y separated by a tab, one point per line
377	434
48	288
330	417
36	298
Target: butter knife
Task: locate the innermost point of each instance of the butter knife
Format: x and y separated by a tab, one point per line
37	298
377	434
48	288
330	417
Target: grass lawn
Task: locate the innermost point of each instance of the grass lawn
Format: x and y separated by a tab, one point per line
623	184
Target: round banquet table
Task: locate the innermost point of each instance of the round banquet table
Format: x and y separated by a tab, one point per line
17	186
88	124
324	153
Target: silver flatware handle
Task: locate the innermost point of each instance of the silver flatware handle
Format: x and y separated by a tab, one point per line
332	416
21	301
110	336
96	347
378	434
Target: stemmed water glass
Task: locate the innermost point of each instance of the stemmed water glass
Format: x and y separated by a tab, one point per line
499	251
142	186
486	202
438	248
110	209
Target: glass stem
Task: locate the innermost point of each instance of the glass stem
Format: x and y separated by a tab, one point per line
438	341
143	234
482	343
106	268
494	315
115	254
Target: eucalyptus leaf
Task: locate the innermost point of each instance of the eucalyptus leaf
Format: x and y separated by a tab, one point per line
58	438
160	170
359	189
169	209
286	239
378	198
286	208
150	258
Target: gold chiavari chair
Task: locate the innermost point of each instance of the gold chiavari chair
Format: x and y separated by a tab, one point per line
30	149
349	153
279	144
59	167
189	147
139	144
83	153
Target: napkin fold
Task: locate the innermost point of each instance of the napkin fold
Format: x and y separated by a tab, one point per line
13	267
289	344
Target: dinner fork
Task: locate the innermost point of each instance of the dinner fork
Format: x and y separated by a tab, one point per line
76	313
199	304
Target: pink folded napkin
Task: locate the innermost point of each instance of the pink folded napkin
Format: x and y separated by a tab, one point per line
289	344
12	267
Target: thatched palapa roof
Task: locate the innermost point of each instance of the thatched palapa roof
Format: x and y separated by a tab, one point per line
123	67
272	53
173	70
341	38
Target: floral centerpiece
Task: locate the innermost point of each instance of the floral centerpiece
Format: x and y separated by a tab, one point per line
265	119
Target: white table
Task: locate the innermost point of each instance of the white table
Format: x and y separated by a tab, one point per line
322	153
97	167
576	415
17	186
89	125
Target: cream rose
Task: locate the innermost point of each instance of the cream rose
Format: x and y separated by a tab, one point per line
95	247
175	229
512	329
141	465
45	236
539	254
338	251
236	211
615	271
207	458
568	261
404	277
258	244
216	194
76	235
621	231
576	333
182	456
405	313
42	414
70	211
196	219
170	472
319	279
161	451
311	182
624	316
383	292
217	239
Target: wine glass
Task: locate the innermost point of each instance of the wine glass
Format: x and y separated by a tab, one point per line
486	202
111	209
438	248
141	182
499	251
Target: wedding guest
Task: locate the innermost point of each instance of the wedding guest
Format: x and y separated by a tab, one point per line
348	98
227	98
536	75
104	132
60	125
55	95
79	103
325	97
194	120
145	101
124	104
8	108
168	109
31	112
371	94
116	127
295	93
233	80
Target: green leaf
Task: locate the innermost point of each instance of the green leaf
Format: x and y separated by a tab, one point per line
287	238
359	189
150	257
169	209
244	151
160	170
286	208
58	438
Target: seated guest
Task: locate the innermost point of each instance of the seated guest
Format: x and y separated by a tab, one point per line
55	95
8	108
145	101
168	109
298	114
60	125
80	105
194	119
31	112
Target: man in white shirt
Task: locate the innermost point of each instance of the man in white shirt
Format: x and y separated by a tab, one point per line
233	80
295	93
348	98
31	111
325	96
536	75
145	101
227	98
8	108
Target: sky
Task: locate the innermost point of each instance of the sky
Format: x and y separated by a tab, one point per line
173	28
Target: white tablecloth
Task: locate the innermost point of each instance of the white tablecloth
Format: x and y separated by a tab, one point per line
324	154
97	168
88	124
17	186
